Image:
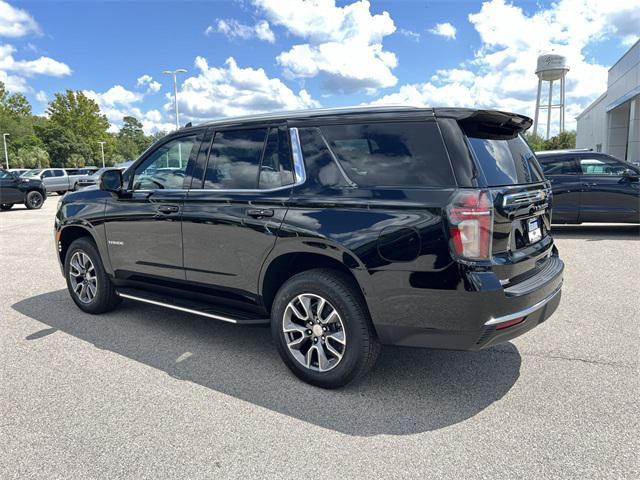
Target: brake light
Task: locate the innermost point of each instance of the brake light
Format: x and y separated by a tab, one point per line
470	217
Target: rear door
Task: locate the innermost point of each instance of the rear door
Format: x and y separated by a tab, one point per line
234	210
608	195
563	173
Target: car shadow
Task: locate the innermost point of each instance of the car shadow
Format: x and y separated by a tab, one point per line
409	390
596	232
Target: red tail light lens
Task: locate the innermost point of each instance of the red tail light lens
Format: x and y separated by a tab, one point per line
470	217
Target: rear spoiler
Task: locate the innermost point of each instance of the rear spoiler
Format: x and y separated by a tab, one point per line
487	123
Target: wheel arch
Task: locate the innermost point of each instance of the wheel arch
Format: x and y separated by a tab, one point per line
281	267
72	232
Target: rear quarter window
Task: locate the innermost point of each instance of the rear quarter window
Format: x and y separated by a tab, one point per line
391	154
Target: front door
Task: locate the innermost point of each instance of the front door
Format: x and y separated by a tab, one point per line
232	216
608	195
143	224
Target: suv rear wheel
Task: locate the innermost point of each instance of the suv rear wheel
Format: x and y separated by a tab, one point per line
88	283
322	329
34	200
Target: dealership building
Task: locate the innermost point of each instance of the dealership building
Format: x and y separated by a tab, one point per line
611	124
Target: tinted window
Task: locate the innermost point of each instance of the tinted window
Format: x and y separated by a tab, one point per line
5	174
58	173
166	166
559	166
406	154
506	162
601	166
234	161
320	167
275	169
47	174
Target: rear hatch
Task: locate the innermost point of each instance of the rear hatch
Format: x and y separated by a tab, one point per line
521	243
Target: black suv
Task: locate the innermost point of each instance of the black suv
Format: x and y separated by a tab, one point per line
342	229
16	189
591	187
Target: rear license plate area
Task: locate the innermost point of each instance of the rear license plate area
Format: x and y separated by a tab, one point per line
534	230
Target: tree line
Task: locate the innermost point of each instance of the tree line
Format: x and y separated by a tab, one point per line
68	135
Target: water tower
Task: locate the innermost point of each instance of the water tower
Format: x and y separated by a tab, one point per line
551	67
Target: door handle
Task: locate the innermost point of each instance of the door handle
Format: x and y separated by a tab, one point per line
260	212
168	208
590	184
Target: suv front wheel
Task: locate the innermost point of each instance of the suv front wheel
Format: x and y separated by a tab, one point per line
88	283
322	329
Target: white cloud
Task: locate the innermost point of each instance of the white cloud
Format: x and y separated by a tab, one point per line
13	72
118	102
231	90
342	43
502	73
147	82
445	30
409	34
15	22
234	29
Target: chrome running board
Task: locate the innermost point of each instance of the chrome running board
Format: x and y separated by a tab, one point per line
202	313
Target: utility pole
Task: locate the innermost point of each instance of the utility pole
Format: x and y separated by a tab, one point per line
102	149
175	91
6	155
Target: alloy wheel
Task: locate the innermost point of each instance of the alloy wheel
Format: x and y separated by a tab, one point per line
82	274
35	200
314	332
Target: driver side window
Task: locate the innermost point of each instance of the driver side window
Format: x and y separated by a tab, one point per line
166	167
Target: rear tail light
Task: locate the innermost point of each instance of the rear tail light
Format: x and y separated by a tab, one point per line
470	215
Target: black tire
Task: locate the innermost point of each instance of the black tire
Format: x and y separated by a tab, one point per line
76	187
34	200
6	206
62	192
362	346
106	298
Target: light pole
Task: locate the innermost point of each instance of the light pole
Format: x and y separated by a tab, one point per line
175	90
102	149
6	155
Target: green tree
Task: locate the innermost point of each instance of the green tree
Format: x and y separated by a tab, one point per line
561	141
79	120
31	157
131	140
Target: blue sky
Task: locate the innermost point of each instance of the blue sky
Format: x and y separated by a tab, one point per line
255	55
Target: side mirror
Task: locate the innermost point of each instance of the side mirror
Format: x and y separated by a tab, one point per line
628	173
111	181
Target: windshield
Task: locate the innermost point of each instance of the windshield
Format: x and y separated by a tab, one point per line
506	162
32	173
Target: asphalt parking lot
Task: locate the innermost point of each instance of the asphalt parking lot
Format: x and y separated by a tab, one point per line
145	392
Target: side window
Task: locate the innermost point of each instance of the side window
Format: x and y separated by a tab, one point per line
601	166
381	154
234	160
560	166
4	174
58	173
166	166
320	167
275	169
47	174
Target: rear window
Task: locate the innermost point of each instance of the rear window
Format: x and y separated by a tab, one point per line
506	162
391	154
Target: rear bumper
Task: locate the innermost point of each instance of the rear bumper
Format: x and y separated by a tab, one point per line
478	319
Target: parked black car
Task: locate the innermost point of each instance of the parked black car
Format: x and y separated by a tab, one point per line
591	187
342	229
15	189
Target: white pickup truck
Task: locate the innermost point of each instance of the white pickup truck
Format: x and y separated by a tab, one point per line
58	179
